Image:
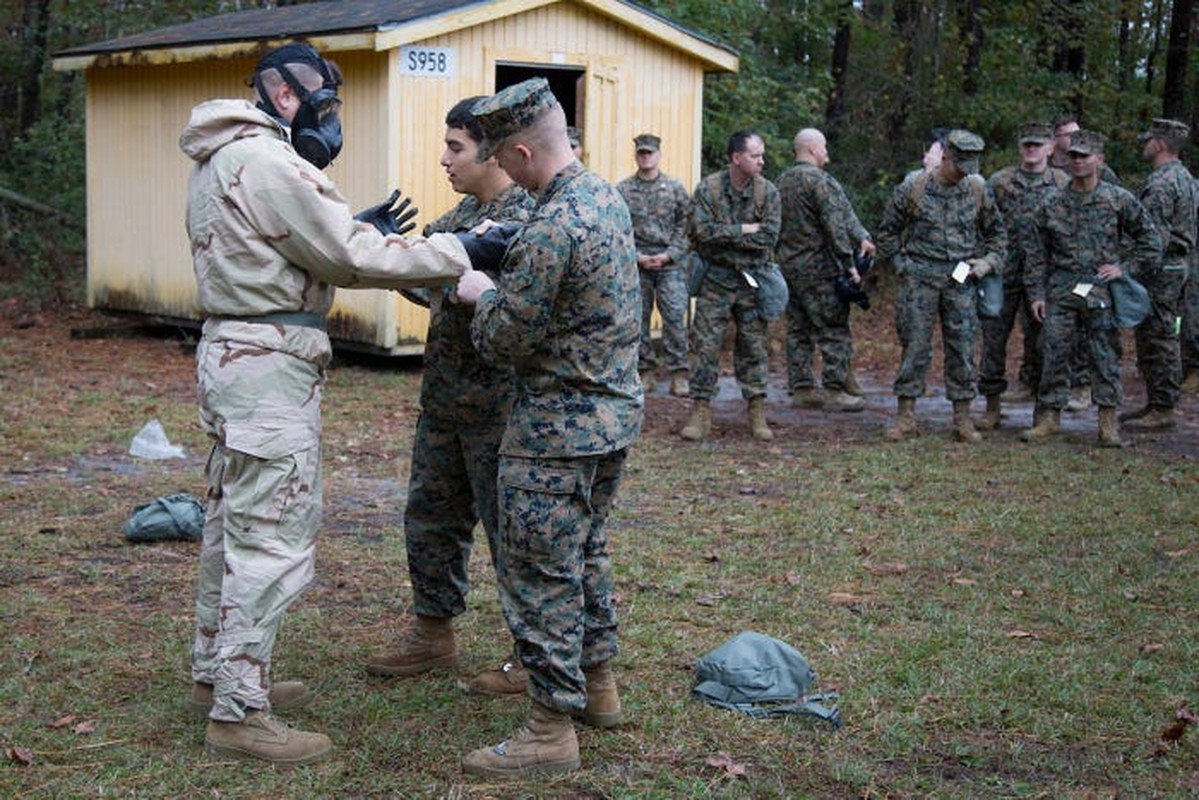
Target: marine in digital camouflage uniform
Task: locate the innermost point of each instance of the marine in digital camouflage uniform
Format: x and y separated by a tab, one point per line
735	232
936	220
565	313
270	237
464	409
1073	251
818	236
658	206
1017	189
1171	199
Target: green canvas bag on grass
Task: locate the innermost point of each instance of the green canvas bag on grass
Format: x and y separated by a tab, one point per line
761	676
176	517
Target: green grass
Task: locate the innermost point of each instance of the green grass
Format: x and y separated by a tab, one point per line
1000	620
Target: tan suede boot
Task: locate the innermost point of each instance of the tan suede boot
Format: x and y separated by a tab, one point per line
963	426
811	397
510	679
282	696
1109	428
1190	384
1157	418
990	418
546	745
262	736
649	381
603	700
1046	422
423	644
757	420
700	424
679	385
852	386
905	425
844	401
1080	399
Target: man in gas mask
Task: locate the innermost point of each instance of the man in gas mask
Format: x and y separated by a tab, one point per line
271	237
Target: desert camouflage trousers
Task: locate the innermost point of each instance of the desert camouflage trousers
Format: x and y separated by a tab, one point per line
817	317
262	409
555	568
992	370
1158	340
918	306
714	306
1069	319
451	489
668	290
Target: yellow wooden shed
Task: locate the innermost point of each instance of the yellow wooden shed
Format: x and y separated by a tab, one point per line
618	68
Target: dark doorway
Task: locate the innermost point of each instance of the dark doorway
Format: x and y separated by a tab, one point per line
565	82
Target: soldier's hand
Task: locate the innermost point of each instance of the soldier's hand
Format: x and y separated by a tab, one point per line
979	267
1109	271
1038	310
866	248
393	215
471	286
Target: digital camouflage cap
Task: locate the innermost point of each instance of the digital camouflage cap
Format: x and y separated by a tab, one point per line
1036	133
1086	143
964	149
1171	130
509	111
647	142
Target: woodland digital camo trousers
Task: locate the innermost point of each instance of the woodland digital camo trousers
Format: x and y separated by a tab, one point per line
817	317
1069	317
921	301
452	487
555	569
1190	321
262	409
1157	338
714	306
667	288
992	371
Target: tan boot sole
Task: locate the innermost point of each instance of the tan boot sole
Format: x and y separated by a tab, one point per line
406	670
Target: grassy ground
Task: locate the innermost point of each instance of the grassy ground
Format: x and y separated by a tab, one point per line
1000	620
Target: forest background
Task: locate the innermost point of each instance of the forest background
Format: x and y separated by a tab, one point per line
875	75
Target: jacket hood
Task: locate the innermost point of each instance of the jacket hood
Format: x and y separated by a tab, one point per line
216	123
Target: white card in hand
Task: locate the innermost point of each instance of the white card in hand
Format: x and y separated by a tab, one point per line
1083	289
961	272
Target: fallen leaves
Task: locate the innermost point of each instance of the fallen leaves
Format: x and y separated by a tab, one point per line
887	568
723	761
19	755
1172	734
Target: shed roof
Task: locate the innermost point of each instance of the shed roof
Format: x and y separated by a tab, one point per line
378	24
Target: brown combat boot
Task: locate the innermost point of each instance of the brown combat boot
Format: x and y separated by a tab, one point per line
808	397
1080	399
852	386
1156	418
963	426
262	736
1190	384
905	425
700	424
990	419
649	381
282	696
423	644
679	385
757	420
1109	428
510	679
546	745
1046	422
603	701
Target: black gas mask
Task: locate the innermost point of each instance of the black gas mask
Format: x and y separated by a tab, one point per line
316	126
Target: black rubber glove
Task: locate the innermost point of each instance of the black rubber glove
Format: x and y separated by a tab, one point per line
486	252
390	216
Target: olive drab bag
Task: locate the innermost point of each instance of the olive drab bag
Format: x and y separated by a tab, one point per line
178	517
1130	301
762	676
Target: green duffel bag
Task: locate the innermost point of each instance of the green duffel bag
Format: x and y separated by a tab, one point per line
176	517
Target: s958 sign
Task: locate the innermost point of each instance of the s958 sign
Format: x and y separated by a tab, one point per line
431	62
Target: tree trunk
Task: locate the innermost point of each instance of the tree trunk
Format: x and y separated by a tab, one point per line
972	27
835	107
1178	51
34	27
1156	48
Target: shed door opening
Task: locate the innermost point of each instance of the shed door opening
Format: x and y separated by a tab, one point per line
567	84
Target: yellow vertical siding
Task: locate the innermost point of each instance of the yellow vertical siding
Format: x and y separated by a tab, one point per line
138	256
